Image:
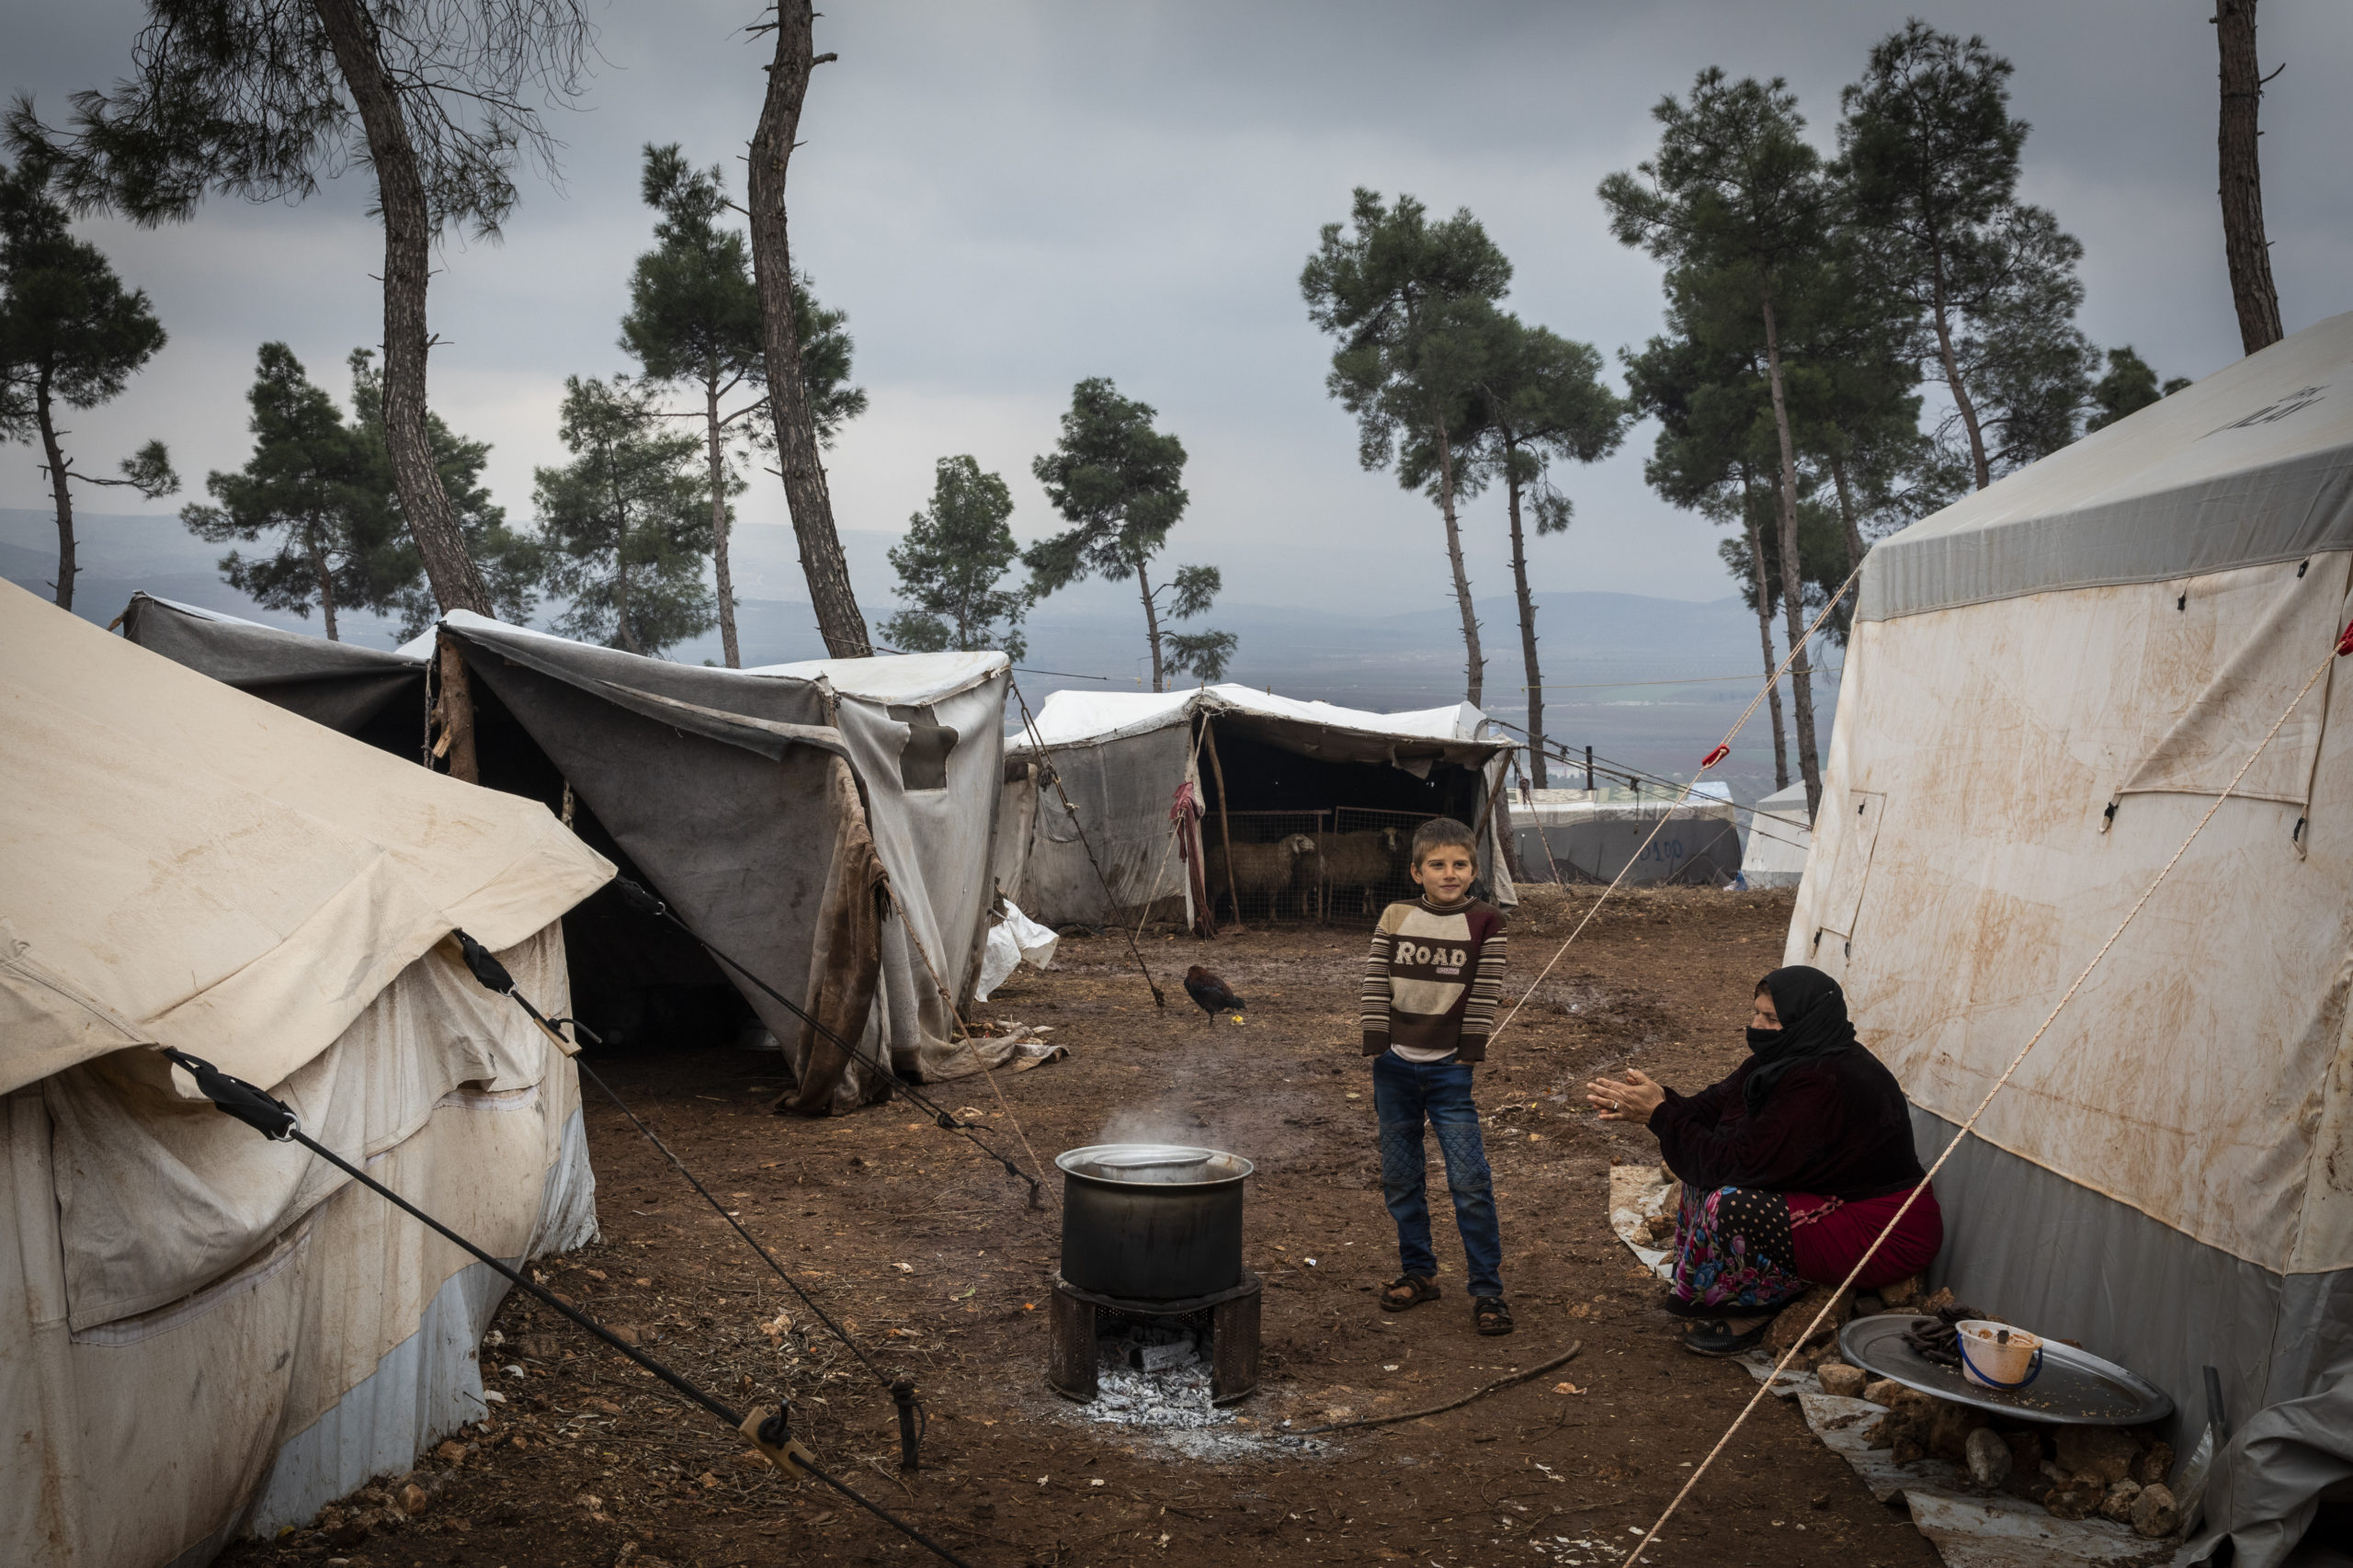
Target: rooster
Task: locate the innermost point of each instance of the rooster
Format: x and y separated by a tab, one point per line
1214	994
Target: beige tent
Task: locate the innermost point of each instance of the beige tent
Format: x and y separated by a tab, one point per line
200	1332
2049	684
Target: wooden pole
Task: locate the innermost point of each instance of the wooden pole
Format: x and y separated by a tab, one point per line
1224	825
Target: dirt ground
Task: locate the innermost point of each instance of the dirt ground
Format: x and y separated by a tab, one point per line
931	1258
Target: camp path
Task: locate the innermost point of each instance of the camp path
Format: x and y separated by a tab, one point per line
930	1256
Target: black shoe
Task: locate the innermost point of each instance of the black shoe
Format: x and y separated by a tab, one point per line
1679	1307
1717	1338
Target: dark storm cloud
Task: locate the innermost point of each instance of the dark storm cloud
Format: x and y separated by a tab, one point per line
1007	198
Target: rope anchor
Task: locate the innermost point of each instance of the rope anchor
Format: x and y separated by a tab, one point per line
277	1120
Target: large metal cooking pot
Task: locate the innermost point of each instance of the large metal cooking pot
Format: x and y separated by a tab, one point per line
1152	1221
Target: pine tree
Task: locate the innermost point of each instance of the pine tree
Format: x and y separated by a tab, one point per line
1929	169
259	99
307	485
2129	386
1118	483
1734	202
508	561
1401	295
70	336
1540	398
625	524
694	319
956	552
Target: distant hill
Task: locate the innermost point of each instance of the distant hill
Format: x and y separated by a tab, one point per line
1324	647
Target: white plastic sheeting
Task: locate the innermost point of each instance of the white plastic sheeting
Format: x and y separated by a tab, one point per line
1087	718
1013	941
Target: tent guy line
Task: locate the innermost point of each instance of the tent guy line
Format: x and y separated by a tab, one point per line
646	902
2344	647
493	977
275	1120
1045	751
1723	749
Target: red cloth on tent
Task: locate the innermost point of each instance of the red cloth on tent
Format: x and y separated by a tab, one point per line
1829	1234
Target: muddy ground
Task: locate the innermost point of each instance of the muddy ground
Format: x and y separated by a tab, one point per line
928	1255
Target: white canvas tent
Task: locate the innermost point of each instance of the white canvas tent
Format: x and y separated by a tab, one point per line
1780	838
202	1332
2049	684
1121	758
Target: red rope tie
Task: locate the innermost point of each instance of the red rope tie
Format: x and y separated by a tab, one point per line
1723	752
2345	644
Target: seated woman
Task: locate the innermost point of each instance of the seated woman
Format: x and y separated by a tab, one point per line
1790	1167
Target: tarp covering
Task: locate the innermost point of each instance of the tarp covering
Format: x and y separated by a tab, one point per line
1572	836
722	786
2252	465
335	684
1120	758
2169	1177
180	1300
185	865
1780	838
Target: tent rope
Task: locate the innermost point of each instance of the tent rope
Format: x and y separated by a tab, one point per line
495	977
958	1018
1031	723
643	900
275	1120
1723	749
2344	646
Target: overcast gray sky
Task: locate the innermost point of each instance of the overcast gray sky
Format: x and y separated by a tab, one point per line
1008	196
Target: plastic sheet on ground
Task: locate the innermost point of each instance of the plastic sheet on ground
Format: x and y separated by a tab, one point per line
1013	941
1969	1528
1020	1047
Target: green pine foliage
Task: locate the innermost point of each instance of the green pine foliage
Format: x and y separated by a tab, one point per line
626	524
956	552
1118	483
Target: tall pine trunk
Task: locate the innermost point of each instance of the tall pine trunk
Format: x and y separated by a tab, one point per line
1765	629
726	579
1474	663
2243	246
325	580
1792	575
60	487
1941	313
457	582
1527	626
1151	627
840	621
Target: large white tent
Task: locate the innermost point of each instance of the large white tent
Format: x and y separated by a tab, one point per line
2050	684
1121	758
204	1332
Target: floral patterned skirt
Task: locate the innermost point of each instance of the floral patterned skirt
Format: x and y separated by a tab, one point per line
1733	1248
1739	1247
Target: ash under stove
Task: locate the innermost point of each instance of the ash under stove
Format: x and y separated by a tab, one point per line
1152	1272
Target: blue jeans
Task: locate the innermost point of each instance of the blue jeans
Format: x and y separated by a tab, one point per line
1405	1094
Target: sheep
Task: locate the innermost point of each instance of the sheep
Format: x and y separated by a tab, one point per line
1368	864
1262	872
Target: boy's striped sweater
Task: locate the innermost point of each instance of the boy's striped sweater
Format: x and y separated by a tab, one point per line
1432	980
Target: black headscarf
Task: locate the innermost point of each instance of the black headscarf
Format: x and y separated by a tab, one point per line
1812	1010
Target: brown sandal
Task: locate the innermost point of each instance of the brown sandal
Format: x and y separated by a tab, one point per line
1408	1290
1490	1316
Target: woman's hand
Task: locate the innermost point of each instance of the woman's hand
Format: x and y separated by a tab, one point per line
1632	1098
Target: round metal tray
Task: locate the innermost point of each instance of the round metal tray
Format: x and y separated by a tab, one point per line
2076	1388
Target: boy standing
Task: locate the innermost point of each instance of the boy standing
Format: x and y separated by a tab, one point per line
1431	988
